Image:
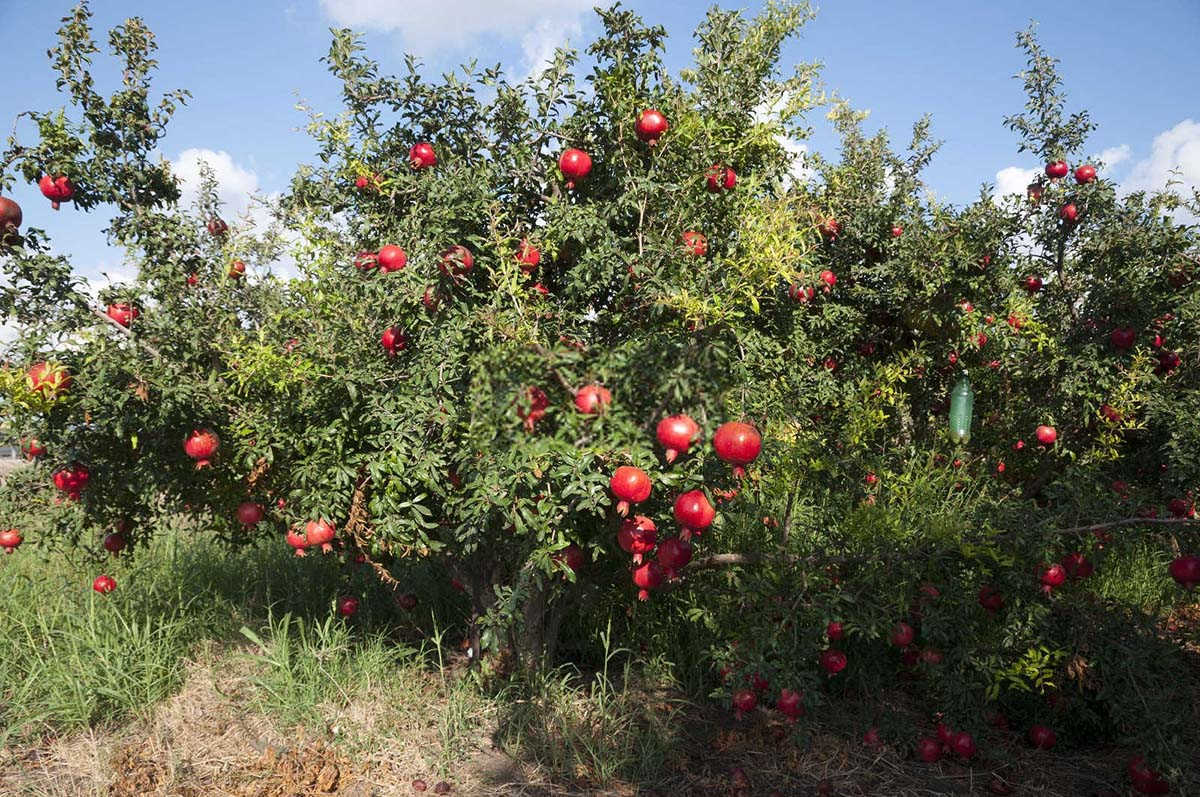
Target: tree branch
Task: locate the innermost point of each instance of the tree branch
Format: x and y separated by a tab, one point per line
1131	521
125	331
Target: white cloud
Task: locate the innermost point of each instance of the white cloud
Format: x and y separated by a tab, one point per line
234	183
1013	180
538	45
1174	156
1113	156
429	25
767	113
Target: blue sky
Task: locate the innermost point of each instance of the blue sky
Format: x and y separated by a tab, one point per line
1135	66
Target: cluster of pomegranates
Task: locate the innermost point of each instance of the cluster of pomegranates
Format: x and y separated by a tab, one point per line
316	533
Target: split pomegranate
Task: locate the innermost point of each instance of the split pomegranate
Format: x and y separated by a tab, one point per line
744	701
421	155
832	661
693	513
676	434
115	542
457	261
575	165
721	178
393	340
50	379
1052	576
1186	571
650	126
790	704
738	444
902	635
391	258
929	750
71	479
630	485
673	555
201	445
638	536
592	399
802	294
538	402
104	584
647	576
10	540
365	261
123	314
249	513
297	541
56	189
1042	737
1077	565
528	257
347	606
695	243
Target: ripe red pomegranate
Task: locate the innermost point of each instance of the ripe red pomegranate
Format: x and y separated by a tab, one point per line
830	229
1051	576
104	584
201	445
829	278
592	399
738	444
695	243
790	704
721	178
1146	780
1046	435
407	601
990	599
364	260
50	379
115	542
575	164
528	257
744	701
1186	571
422	156
237	269
1033	284
963	744
391	258
56	189
32	449
1034	191
297	540
10	218
71	479
902	635
572	556
832	661
1085	173
802	294
676	433
637	535
1042	737
945	733
931	656
320	533
897	231
362	181
249	513
1069	213
871	479
871	737
456	260
673	555
1168	361
630	485
693	513
1057	169
538	403
835	631
1077	565
929	750
647	576
123	314
10	540
1122	337
216	227
393	340
650	126
1180	508
193	280
347	606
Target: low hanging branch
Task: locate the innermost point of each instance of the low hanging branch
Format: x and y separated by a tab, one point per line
1131	521
358	521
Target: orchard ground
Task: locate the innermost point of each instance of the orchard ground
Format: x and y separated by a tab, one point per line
210	671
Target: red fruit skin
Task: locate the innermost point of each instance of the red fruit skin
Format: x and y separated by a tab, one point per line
49	379
572	556
1077	565
802	294
592	399
829	278
1042	737
1122	338
201	445
104	584
830	229
1069	213
393	340
835	631
123	314
676	433
945	733
1052	576
929	750
1033	284
1180	508
1046	435
528	257
575	164
457	261
647	576
216	227
347	606
744	701
630	485
391	258
10	540
902	635
695	243
33	449
720	178
114	543
990	599
1146	780
674	554
790	704
693	513
897	231
638	536
56	189
963	744
538	403
1085	174
249	513
10	218
237	269
832	661
737	443
422	156
871	737
651	125
1186	571
1057	169
319	533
